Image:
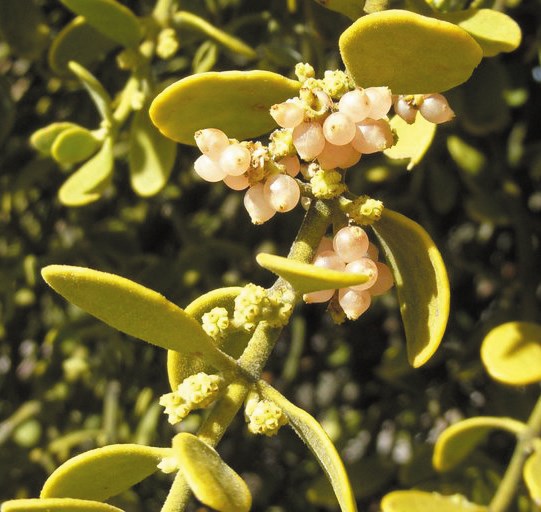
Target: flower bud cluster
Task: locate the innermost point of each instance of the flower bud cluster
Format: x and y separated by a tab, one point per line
216	322
263	416
351	251
194	392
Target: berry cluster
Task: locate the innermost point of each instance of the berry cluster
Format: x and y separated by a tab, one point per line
433	107
351	251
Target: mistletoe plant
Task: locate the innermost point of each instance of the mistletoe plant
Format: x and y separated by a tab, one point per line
389	99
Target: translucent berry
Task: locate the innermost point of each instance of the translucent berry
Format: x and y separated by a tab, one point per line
208	169
405	109
324	245
381	100
355	104
257	206
292	165
435	109
237	182
385	280
308	140
235	159
318	297
372	252
211	141
287	114
350	243
330	260
339	129
363	266
354	303
282	192
372	136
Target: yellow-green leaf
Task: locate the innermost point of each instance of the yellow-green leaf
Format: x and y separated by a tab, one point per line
413	139
532	474
109	17
312	433
305	277
353	9
408	52
420	501
44	138
179	365
95	89
511	353
212	481
104	472
57	505
494	31
457	441
80	42
151	156
133	309
74	145
421	282
236	102
87	184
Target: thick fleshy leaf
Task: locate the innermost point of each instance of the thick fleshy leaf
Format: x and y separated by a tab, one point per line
421	282
494	31
312	433
80	42
532	474
86	184
43	139
151	156
305	277
353	9
104	472
57	505
133	309
236	102
109	17
420	501
408	52
179	365
74	145
460	439
413	139
511	353
212	481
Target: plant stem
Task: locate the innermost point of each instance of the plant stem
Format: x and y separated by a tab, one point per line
178	496
511	480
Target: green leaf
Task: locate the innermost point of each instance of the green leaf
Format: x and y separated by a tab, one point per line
104	472
236	102
109	17
353	9
305	277
511	353
421	282
460	439
212	481
80	42
151	156
494	31
532	474
312	433
86	184
408	52
74	145
179	365
57	505
420	501
205	57
133	309
43	139
414	140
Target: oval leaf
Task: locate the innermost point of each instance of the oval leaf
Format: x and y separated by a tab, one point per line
532	475
457	441
420	501
57	505
151	156
212	481
511	353
421	282
109	17
43	139
413	139
305	277
86	184
236	102
133	309
180	366
312	433
74	145
408	52
494	31
104	472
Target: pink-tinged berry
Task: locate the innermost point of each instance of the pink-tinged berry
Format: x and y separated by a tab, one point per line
339	129
373	136
318	297
329	260
292	165
354	303
324	245
381	101
372	252
405	109
235	159
282	192
363	266
237	182
355	104
211	142
350	243
435	109
208	169
308	140
385	280
334	156
287	114
257	206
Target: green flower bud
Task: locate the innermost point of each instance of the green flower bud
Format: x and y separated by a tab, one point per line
200	390
337	83
327	184
215	322
264	417
167	43
304	72
281	143
364	210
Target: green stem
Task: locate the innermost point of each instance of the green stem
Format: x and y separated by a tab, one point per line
178	496
513	475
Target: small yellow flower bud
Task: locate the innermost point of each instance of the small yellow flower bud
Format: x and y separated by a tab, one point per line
304	71
215	322
327	184
365	210
265	417
167	43
199	390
